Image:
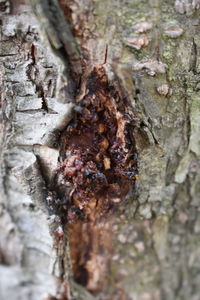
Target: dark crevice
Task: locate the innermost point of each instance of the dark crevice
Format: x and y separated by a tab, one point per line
33	54
143	124
44	101
68	51
39	87
137	91
33	111
5	55
193	58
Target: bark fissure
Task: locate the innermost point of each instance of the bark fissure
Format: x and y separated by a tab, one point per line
98	167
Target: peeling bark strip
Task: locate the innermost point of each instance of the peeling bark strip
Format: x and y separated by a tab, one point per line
98	169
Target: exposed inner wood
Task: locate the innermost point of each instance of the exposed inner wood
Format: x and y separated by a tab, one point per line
97	170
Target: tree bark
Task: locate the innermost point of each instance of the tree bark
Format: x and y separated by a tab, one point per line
148	246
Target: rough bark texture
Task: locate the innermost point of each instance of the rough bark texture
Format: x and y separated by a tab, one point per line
150	52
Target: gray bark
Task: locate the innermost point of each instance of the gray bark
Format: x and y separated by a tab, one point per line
153	49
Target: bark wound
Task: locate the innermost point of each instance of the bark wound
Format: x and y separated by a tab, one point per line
97	170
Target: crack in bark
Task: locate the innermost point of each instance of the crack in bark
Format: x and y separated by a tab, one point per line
98	169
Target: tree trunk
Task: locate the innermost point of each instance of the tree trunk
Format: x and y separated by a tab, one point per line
140	61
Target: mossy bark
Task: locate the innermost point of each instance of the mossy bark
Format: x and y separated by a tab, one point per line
152	48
